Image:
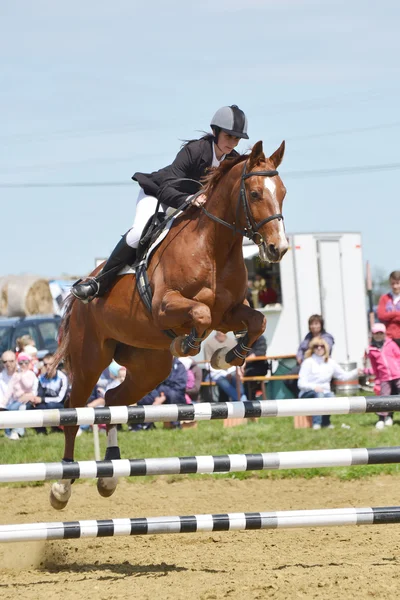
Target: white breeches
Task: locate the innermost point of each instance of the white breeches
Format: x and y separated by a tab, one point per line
145	208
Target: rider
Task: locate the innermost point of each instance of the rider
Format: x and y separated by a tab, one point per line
228	125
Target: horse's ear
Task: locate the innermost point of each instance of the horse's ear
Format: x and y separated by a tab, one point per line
277	156
257	155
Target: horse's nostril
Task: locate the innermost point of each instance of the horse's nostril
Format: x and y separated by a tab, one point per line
273	250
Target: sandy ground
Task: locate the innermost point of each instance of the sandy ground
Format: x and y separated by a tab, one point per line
332	563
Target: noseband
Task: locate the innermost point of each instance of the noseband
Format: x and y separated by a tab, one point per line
251	230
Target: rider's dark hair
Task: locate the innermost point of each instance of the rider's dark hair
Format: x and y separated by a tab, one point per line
207	136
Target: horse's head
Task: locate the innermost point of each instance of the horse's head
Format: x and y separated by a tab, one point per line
263	200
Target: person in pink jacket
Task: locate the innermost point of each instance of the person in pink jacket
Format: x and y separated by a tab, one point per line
22	388
384	355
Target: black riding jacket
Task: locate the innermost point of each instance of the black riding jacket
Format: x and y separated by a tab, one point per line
193	161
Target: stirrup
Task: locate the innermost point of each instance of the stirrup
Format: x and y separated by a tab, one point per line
89	281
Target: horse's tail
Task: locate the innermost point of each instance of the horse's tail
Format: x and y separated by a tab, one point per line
62	353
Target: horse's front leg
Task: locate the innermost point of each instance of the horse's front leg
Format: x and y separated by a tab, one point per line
177	311
234	320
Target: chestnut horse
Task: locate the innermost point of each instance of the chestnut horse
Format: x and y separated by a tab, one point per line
198	280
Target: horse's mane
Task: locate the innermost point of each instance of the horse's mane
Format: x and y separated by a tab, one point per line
211	180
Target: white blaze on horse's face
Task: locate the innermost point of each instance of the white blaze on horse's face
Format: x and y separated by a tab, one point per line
270	185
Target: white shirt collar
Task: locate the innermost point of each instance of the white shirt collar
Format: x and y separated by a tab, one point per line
215	161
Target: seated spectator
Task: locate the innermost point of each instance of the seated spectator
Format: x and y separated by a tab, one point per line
214	343
117	375
51	391
9	363
170	391
316	373
389	308
194	377
384	355
256	368
21	390
225	380
316	329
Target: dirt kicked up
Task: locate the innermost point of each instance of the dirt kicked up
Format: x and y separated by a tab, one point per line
329	563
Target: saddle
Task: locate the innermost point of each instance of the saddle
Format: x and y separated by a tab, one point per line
154	227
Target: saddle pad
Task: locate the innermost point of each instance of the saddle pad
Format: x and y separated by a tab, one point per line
128	269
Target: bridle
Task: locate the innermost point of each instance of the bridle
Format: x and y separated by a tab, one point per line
251	230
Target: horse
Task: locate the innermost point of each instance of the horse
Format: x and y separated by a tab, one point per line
198	281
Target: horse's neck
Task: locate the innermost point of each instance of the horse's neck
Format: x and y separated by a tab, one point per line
221	240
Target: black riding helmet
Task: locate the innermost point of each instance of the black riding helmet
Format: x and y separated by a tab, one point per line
232	120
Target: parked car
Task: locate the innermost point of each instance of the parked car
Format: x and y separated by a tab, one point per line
42	328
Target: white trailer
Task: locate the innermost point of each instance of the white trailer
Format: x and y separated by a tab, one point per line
322	273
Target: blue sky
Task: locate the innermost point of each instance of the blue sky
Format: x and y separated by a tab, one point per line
93	91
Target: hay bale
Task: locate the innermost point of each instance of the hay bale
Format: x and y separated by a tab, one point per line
28	295
4	295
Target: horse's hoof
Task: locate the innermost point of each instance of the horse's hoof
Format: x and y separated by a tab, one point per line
56	503
218	359
60	493
176	347
106	486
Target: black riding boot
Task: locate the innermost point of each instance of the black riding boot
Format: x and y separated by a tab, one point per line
97	286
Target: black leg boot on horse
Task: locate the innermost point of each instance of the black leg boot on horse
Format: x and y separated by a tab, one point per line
122	255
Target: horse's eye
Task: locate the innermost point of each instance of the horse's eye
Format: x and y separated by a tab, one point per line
254	194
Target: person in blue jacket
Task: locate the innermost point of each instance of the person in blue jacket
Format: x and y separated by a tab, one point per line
170	391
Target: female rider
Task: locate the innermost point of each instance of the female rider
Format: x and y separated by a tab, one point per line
228	125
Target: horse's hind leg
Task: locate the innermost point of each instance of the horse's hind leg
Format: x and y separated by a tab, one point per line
145	370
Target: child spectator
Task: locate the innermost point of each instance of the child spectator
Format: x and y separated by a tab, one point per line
316	373
22	389
389	308
22	342
384	355
194	377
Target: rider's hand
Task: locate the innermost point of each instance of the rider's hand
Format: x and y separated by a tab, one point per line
199	200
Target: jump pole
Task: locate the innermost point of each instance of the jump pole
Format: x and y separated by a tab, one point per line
200	523
202	411
229	463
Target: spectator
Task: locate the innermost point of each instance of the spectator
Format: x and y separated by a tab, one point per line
225	380
316	373
194	377
24	340
117	373
170	391
389	308
219	340
52	390
315	329
384	356
267	294
256	368
32	352
21	390
9	361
